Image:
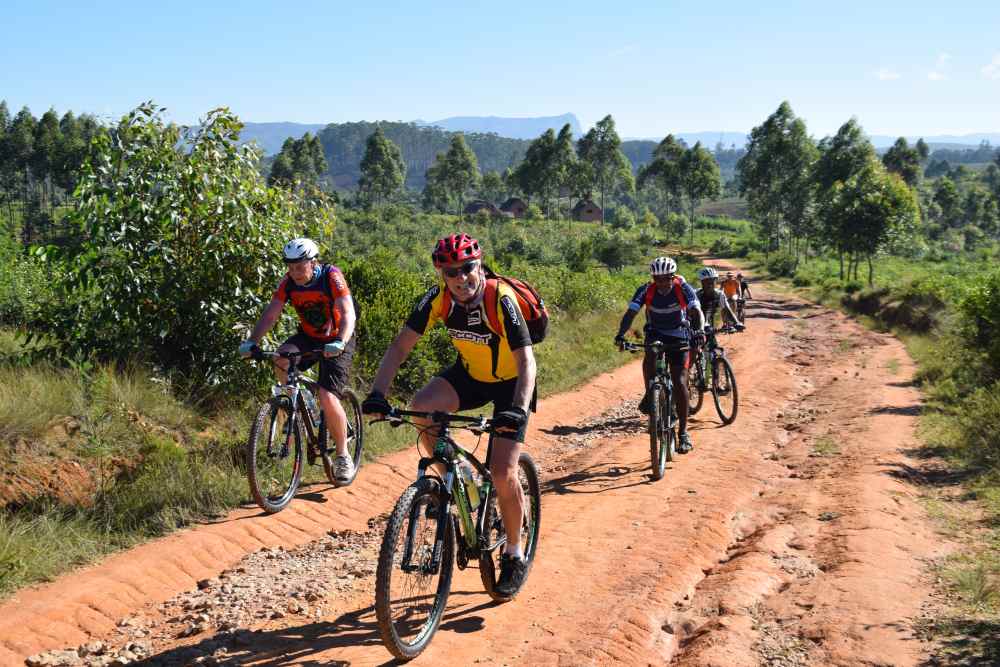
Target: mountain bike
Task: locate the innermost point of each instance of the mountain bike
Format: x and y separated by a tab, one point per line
662	413
711	371
740	309
288	420
437	523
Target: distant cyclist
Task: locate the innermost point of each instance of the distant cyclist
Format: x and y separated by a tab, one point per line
320	296
731	288
668	301
744	287
712	299
496	364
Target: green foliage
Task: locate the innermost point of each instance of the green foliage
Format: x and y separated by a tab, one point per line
600	149
300	162
382	169
451	177
622	218
904	161
781	264
177	247
776	175
981	310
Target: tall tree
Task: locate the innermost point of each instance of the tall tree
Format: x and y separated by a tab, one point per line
21	148
382	169
700	179
923	150
451	176
564	161
868	209
492	188
903	160
535	175
601	149
462	169
300	161
665	172
775	177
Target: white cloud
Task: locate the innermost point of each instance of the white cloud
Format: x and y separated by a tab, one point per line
992	70
886	74
938	73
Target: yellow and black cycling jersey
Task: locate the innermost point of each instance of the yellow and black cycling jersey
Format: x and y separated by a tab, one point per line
486	354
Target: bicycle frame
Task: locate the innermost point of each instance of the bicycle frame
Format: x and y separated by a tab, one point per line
292	388
472	530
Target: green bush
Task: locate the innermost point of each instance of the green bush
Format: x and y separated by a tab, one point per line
721	247
852	286
781	265
801	281
980	311
180	243
622	218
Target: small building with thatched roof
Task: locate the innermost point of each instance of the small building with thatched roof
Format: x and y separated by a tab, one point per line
477	205
516	206
587	211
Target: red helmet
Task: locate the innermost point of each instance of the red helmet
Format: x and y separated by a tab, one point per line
456	248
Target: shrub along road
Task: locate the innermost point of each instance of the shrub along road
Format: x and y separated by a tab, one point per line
792	537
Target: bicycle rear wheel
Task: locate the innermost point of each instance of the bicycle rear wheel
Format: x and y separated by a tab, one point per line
355	437
410	597
274	455
489	561
724	390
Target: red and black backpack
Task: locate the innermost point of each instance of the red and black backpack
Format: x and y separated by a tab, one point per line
529	301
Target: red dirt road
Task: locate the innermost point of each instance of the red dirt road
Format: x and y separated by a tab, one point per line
792	537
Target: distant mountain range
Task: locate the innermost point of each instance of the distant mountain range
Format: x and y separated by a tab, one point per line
513	128
270	136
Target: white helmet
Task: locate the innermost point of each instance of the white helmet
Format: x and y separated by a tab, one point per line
299	249
663	266
707	272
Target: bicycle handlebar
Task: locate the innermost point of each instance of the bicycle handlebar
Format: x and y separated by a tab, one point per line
259	354
477	425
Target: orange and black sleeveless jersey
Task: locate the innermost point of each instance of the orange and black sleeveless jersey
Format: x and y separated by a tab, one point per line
318	318
487	355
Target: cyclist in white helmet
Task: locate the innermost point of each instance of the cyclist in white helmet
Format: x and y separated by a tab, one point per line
669	301
713	300
320	296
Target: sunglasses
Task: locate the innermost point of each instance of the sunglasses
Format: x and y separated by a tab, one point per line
464	270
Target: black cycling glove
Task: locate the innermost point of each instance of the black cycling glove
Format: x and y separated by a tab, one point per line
375	404
511	419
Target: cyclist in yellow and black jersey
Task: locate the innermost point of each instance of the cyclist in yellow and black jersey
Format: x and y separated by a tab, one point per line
496	364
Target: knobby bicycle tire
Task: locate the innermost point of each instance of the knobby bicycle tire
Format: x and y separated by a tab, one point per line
355	437
696	380
264	458
724	384
422	500
489	562
657	420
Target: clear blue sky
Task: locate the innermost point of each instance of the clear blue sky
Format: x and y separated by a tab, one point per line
901	67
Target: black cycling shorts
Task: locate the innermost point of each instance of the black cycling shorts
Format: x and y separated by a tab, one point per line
676	348
334	373
475	394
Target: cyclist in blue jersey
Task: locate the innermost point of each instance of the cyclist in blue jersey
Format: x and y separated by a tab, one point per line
672	309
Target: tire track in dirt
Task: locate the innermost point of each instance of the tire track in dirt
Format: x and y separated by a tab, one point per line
789	538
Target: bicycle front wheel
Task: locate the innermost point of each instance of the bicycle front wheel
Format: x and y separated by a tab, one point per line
274	455
355	437
489	561
658	416
695	383
410	593
724	390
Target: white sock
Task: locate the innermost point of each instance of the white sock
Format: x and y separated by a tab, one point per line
515	552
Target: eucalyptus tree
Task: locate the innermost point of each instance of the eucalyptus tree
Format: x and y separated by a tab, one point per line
700	179
903	160
600	148
382	169
775	176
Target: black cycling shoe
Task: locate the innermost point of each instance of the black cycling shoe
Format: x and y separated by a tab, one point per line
512	574
644	405
684	444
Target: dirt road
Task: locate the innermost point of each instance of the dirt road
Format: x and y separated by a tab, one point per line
791	537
